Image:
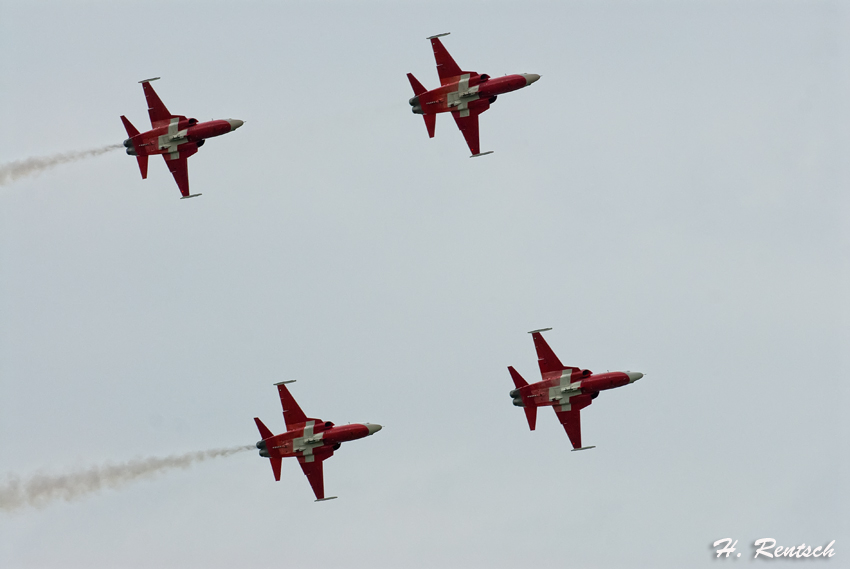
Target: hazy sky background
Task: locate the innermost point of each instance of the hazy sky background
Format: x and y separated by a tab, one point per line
670	197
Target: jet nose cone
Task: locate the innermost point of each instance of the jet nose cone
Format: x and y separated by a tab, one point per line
530	78
634	376
235	123
373	428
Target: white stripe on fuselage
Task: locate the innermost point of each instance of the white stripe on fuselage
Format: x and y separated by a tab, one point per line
459	100
170	141
303	443
564	391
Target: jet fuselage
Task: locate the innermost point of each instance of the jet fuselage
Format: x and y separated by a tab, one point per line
313	435
571	383
566	389
310	440
470	91
169	138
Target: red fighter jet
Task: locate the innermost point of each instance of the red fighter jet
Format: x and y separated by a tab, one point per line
567	389
311	440
465	94
173	136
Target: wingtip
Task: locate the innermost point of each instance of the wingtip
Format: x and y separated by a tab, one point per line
437	36
149	80
285	382
326	499
539	330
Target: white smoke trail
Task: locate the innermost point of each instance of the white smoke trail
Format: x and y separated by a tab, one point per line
41	489
31	166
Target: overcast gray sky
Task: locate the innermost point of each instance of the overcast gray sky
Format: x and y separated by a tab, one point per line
670	197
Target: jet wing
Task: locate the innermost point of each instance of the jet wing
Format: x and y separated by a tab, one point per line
312	466
157	111
447	69
571	421
546	358
570	418
180	170
178	166
293	416
276	462
467	122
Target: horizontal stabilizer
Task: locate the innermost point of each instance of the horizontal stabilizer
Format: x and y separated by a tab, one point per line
128	126
418	88
326	499
276	467
430	124
149	80
540	330
189	196
265	433
143	165
285	382
519	381
531	416
583	448
530	409
481	154
437	36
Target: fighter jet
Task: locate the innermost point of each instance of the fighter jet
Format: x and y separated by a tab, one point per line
567	389
465	94
173	136
311	440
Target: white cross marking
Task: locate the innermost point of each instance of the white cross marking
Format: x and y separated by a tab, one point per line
460	99
566	389
301	444
166	141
